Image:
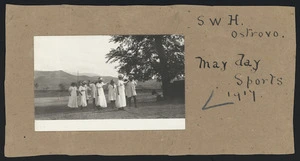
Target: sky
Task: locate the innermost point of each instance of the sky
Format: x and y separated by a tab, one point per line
72	54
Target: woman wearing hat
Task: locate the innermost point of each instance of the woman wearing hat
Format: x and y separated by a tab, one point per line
121	98
82	93
100	97
112	93
73	96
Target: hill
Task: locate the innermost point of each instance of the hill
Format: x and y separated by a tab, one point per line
51	79
86	74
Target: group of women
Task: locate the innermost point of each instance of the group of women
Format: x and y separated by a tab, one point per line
118	93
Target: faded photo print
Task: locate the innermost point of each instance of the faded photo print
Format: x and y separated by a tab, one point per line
109	77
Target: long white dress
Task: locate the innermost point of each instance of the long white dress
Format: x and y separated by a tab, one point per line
73	97
112	92
130	89
100	96
121	99
83	97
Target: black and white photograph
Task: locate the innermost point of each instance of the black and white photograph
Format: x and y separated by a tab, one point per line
109	82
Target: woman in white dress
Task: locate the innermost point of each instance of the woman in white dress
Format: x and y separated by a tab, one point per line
82	93
100	96
112	93
121	98
73	96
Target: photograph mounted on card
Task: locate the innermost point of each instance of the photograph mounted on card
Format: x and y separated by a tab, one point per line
119	82
162	80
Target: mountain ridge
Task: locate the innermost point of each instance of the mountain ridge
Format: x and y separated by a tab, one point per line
51	80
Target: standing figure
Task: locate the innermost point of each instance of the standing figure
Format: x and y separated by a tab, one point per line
73	96
87	89
101	100
126	90
93	93
121	99
112	94
82	94
131	92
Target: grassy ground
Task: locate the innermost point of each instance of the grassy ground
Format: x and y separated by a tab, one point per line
55	108
59	93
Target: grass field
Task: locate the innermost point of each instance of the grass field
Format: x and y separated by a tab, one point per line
59	93
52	105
